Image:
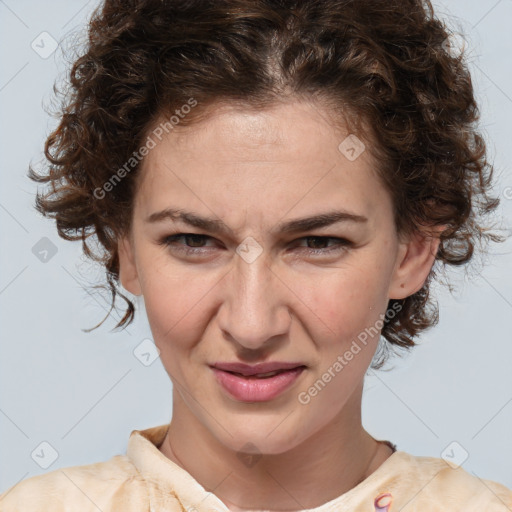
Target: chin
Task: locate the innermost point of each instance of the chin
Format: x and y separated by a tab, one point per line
264	437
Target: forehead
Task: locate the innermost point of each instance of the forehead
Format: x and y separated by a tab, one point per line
262	162
290	128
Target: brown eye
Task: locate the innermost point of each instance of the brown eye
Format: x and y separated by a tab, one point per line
196	239
319	244
194	243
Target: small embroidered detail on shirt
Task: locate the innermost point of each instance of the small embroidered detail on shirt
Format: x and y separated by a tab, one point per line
382	502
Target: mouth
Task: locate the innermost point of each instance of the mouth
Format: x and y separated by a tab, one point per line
260	375
267	375
253	385
260	370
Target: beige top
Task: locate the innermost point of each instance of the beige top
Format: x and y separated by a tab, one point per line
146	480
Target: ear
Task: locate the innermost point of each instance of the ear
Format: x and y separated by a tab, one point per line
416	256
128	275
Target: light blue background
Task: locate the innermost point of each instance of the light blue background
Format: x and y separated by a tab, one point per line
84	393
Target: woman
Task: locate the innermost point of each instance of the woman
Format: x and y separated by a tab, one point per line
277	179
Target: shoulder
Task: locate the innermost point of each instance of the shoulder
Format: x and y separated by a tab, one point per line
111	485
438	482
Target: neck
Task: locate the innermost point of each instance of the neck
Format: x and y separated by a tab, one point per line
338	457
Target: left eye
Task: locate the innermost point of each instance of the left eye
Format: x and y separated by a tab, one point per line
322	240
197	241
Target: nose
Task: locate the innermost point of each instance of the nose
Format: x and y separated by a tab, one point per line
254	310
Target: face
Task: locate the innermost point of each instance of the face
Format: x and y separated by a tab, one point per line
253	291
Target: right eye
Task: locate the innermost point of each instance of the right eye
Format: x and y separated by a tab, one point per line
172	241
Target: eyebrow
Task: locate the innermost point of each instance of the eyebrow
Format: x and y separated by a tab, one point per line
292	226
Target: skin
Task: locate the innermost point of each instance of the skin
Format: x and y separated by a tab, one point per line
253	170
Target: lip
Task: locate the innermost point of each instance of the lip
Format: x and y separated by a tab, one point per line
247	369
248	388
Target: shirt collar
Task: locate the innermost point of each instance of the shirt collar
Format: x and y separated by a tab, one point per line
164	476
168	482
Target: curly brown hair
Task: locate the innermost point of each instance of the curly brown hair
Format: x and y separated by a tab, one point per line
387	66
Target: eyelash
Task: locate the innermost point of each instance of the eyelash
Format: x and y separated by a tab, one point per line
168	241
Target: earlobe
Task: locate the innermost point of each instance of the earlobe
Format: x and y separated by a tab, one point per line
414	263
128	275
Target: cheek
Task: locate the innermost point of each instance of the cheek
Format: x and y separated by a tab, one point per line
177	305
341	300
